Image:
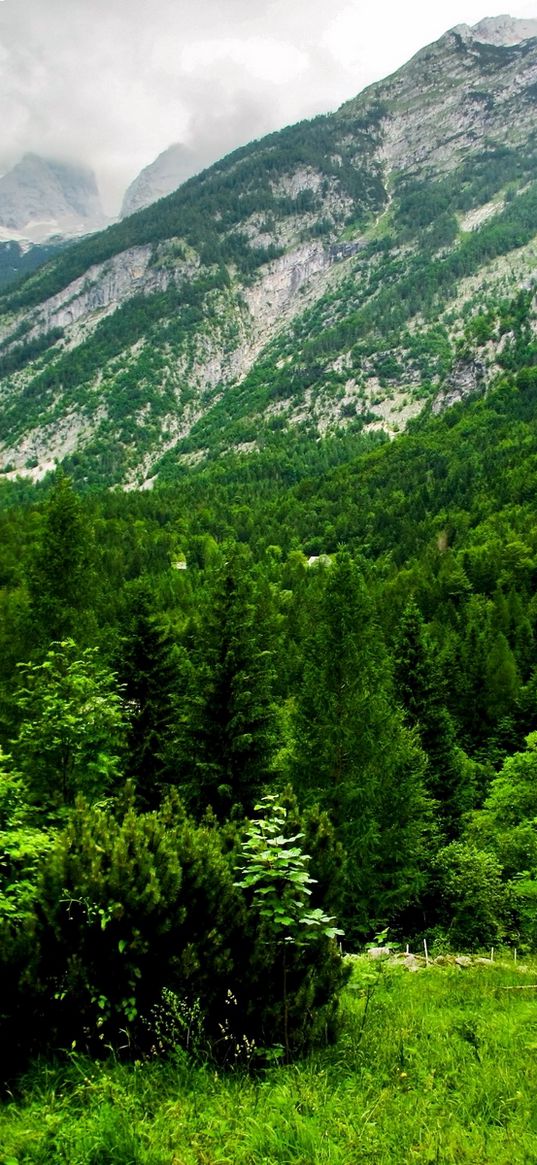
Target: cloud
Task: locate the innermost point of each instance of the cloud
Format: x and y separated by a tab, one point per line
114	83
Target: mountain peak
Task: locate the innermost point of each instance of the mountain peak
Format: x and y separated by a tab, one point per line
172	167
500	30
41	197
333	278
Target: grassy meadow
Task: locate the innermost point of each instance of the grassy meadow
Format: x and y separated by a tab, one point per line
434	1066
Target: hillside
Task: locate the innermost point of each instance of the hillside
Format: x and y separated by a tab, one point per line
334	277
42	198
285	700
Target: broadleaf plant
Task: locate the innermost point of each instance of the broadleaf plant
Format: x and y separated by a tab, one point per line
276	873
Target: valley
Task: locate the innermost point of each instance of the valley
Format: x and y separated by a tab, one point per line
268	647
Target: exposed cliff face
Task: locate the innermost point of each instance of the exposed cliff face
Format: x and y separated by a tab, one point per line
104	288
287	285
465	379
160	178
41	197
502	30
470	86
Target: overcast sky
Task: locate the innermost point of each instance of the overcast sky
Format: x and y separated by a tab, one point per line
114	82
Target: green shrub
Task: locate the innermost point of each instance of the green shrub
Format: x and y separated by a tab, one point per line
141	942
131	904
522	898
472	897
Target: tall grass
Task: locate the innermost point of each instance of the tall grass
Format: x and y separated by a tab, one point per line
444	1069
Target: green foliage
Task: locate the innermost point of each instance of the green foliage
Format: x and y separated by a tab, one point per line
60	576
72	726
150	673
472	897
230	733
235	187
129	905
507	824
21	354
275	869
445	1063
18	260
23	845
420	691
135	937
354	755
251	667
275	876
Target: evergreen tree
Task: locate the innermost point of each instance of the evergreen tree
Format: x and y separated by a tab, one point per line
418	686
149	672
231	732
355	757
60	579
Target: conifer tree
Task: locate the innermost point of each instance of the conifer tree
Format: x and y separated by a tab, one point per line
150	673
418	686
355	757
60	579
231	731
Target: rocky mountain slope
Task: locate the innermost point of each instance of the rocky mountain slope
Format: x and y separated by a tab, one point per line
41	197
43	204
172	167
338	276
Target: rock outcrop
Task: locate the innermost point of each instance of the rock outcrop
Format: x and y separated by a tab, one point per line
302	282
41	198
161	177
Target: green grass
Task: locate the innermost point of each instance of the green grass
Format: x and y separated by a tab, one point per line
443	1070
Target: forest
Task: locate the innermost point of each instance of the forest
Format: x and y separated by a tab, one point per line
250	721
256	717
277	710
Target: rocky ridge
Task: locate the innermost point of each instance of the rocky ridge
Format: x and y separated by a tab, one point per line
243	299
41	197
172	167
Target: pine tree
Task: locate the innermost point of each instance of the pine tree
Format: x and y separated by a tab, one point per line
60	579
354	756
231	729
149	672
418	687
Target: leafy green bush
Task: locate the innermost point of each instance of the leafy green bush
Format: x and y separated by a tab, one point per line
131	904
275	874
141	941
472	896
522	899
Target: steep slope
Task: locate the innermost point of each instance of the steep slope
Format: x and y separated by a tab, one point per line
19	257
172	167
41	197
44	204
337	275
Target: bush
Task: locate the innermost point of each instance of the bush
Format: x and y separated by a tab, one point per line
293	949
522	897
130	905
141	941
472	896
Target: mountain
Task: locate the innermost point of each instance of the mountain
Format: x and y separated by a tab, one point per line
326	283
161	177
44	204
41	197
502	30
18	257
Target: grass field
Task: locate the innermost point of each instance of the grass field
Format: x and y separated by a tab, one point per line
444	1069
